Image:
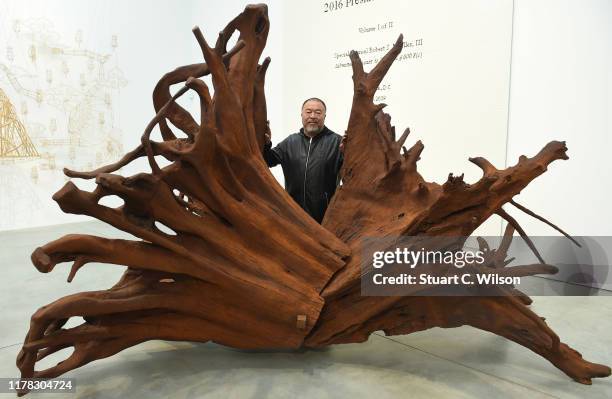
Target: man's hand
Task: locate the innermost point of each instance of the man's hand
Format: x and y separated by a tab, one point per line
268	133
342	143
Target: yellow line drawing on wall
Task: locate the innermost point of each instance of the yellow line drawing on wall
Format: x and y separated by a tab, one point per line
64	95
14	139
15	83
63	85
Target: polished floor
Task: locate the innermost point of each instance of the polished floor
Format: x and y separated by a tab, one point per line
455	363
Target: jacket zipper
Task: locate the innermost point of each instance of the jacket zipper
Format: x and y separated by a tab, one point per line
306	169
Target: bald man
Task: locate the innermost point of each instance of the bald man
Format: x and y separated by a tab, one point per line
311	160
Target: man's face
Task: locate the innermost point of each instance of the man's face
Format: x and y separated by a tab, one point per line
313	117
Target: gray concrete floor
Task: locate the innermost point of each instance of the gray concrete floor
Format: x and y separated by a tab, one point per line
455	363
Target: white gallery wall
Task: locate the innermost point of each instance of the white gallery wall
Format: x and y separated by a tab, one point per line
77	79
560	90
493	78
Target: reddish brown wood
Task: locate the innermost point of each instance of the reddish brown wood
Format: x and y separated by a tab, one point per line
245	266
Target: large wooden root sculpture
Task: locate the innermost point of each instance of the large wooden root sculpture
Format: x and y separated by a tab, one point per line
225	254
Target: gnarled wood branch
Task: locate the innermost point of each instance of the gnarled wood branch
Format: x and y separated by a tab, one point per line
224	254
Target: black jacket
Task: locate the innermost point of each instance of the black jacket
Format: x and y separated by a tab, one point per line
310	166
